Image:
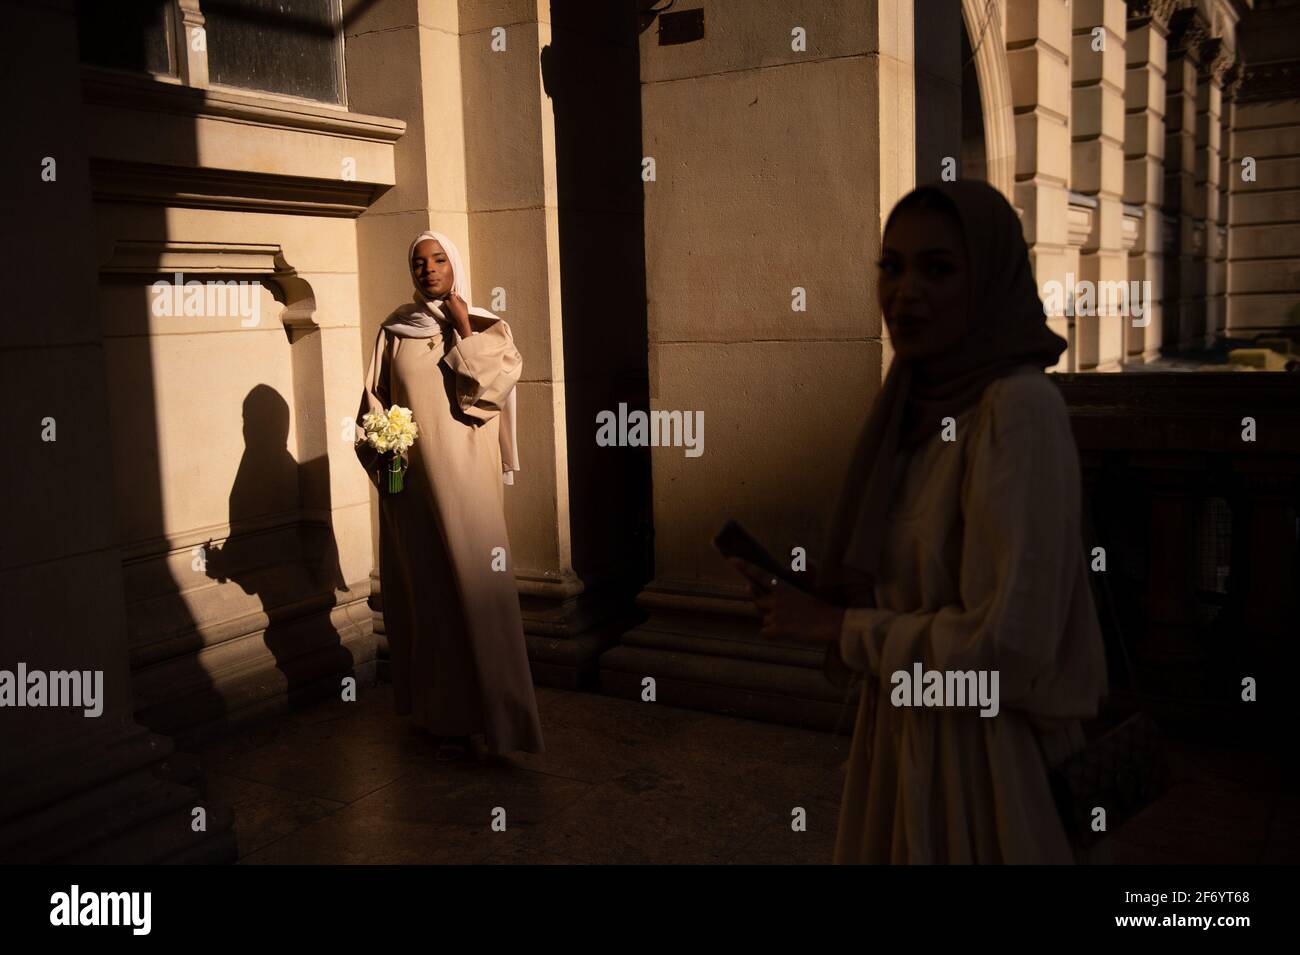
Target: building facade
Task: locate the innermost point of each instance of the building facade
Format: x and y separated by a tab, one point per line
678	210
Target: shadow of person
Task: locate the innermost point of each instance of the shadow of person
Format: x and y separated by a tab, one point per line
284	552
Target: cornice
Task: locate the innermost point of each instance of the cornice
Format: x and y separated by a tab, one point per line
111	88
274	173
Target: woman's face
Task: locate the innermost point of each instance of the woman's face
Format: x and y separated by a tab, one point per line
432	269
923	284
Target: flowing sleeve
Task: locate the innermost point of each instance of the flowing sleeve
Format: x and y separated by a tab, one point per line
487	366
1022	567
374	397
509	440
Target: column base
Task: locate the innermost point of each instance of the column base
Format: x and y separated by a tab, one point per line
704	652
568	625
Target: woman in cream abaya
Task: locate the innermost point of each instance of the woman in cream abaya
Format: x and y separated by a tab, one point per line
451	609
960	554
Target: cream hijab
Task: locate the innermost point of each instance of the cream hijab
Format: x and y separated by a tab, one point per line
422	320
1007	329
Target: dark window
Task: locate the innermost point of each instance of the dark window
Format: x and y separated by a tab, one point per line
125	34
281	46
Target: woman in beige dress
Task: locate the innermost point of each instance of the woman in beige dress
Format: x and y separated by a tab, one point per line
451	609
956	545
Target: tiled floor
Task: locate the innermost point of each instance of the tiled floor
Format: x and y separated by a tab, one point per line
628	782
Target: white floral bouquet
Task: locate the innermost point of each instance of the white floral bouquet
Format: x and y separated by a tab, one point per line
391	432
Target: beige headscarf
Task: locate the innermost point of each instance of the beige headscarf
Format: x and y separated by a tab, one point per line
421	320
1007	329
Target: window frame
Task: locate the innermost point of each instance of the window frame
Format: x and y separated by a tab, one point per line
336	12
189	67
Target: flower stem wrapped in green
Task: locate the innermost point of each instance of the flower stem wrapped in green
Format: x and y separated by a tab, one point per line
391	433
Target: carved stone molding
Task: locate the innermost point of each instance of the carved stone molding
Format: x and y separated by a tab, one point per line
1214	60
102	87
206	188
1267	81
1131	227
1156	12
263	262
1080	214
160	142
1187	32
1232	81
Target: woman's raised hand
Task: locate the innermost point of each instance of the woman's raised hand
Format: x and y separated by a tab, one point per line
459	313
788	612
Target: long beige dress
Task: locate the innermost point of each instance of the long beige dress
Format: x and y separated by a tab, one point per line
983	568
451	608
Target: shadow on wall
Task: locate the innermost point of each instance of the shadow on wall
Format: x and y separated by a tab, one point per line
188	668
293	570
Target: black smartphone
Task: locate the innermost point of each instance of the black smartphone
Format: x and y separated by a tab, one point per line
734	541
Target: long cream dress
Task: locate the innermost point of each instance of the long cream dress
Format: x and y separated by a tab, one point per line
983	568
451	608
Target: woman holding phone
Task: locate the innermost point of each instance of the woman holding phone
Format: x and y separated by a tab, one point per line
956	545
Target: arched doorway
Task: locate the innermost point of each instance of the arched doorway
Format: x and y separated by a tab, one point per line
974	155
988	123
963	93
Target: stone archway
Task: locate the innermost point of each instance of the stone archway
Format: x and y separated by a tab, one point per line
984	20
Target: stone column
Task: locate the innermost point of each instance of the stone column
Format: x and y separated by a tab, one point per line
1216	58
1185	258
1231	79
1039	39
1097	169
1209	96
778	147
1144	153
513	202
1081	212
